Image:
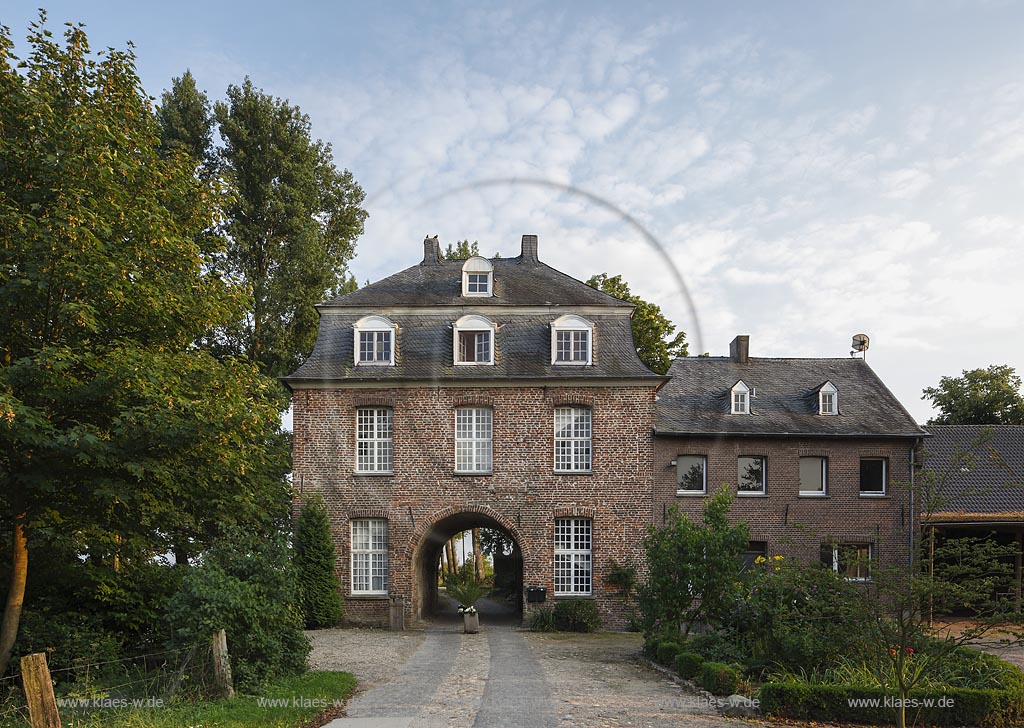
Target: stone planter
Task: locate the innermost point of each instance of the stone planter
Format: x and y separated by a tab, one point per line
471	622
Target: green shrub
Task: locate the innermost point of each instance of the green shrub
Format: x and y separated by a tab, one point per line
962	706
319	589
666	653
246	587
719	678
722	645
576	615
542	619
689	664
652	640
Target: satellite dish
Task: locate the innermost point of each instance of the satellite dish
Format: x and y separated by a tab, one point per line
860	343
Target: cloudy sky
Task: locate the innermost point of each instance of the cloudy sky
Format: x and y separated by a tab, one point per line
813	170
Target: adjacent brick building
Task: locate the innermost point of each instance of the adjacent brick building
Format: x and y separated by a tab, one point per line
504	394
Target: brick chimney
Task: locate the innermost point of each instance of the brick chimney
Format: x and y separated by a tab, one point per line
739	349
431	251
529	249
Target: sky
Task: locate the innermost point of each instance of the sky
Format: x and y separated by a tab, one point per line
812	170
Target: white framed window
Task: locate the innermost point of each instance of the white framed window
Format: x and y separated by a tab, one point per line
751	475
369	556
473	340
874	476
373	440
571	340
828	399
692	474
573	439
473	440
852	560
573	541
374	341
739	398
813	476
477	277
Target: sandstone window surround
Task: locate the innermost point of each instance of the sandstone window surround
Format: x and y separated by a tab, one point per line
374	341
374	452
474	440
573	568
369	556
477	277
473	341
828	399
572	341
573	439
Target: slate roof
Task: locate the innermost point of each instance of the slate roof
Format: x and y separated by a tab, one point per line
424	351
696	400
517	282
979	471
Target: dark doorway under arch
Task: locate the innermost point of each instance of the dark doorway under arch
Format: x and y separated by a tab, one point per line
508	567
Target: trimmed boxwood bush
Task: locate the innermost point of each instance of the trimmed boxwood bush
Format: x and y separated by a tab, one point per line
666	653
576	615
719	678
802	701
689	664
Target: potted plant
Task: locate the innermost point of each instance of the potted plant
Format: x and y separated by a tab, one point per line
467	592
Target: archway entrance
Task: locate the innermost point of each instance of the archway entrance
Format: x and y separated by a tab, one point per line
436	557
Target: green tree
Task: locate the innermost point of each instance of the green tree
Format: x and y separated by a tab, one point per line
978	397
652	332
319	588
693	569
462	250
291	218
115	430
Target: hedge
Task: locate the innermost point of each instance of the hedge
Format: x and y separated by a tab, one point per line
719	678
689	664
666	653
984	708
576	615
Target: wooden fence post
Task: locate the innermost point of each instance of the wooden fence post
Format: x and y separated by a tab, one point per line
222	665
35	679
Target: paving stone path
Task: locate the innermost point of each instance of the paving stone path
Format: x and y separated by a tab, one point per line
503	678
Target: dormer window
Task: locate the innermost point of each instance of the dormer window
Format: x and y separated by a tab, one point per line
477	277
571	339
828	399
374	341
740	399
473	340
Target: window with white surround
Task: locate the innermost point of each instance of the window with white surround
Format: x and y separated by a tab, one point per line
852	560
813	475
571	340
374	341
828	399
477	277
573	541
373	440
740	399
692	474
874	476
751	475
473	340
573	433
473	440
369	556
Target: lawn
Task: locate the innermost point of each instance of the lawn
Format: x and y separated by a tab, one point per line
306	696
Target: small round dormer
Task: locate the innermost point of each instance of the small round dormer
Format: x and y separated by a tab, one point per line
477	277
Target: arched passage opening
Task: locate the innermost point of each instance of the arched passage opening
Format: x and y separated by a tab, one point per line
501	548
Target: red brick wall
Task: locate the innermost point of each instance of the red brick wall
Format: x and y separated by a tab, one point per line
523	495
792	525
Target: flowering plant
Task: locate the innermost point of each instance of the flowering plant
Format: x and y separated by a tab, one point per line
467	610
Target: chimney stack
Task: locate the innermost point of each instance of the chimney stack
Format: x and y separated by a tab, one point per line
431	251
739	349
529	252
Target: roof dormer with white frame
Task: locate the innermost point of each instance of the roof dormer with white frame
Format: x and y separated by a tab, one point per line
374	341
739	399
828	399
477	278
572	341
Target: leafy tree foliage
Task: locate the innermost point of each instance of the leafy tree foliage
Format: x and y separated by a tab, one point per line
462	250
118	436
246	587
693	569
652	332
989	396
319	588
291	218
